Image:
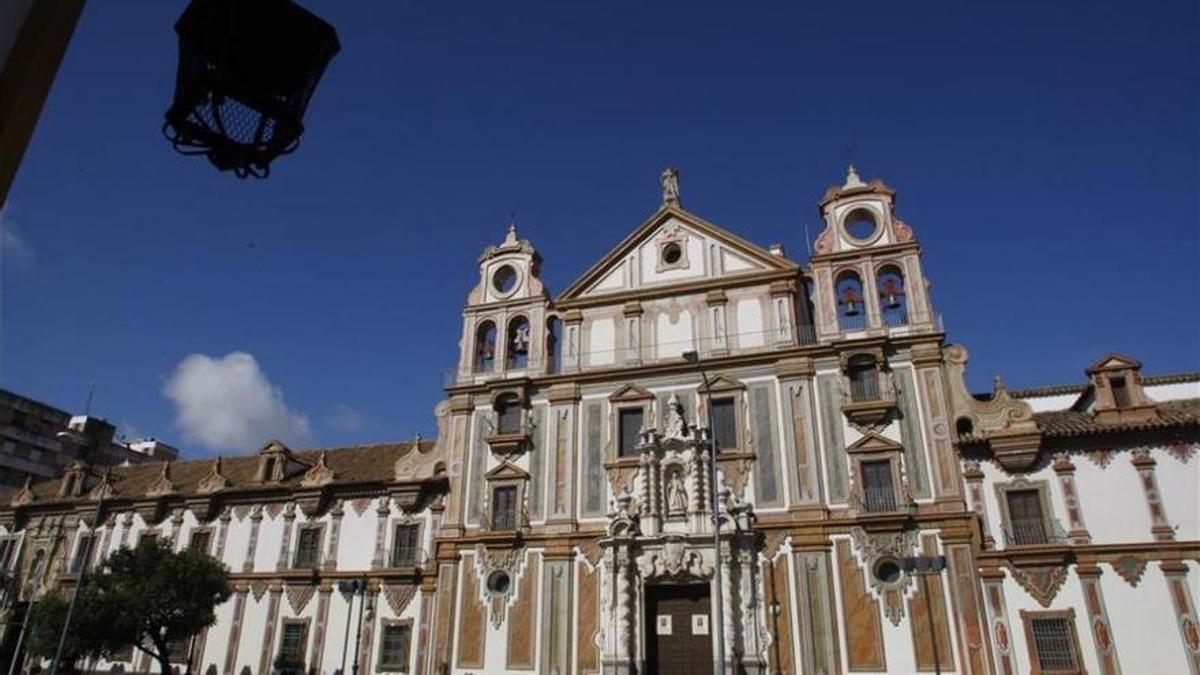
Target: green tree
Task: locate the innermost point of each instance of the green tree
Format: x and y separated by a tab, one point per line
148	597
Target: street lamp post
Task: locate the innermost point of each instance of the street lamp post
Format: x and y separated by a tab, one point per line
923	566
62	640
693	357
353	587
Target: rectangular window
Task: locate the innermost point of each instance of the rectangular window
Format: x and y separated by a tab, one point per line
308	547
1054	645
630	422
879	493
291	645
404	546
724	412
1120	392
200	540
394	646
148	536
177	650
504	507
1026	518
83	553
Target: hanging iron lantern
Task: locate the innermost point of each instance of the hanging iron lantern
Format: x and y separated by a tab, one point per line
247	69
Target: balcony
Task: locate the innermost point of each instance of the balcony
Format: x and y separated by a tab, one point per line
1031	532
868	398
878	499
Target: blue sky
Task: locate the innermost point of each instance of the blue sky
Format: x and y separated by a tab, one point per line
1045	155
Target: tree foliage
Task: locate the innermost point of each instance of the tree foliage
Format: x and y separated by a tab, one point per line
148	597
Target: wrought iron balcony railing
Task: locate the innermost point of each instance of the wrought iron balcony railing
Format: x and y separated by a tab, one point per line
1035	533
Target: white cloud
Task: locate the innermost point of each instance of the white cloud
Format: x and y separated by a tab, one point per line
228	403
344	418
14	251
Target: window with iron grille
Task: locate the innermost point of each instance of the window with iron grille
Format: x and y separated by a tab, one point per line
630	422
404	546
1054	645
200	540
291	645
504	507
308	547
724	412
1025	517
394	647
878	490
83	552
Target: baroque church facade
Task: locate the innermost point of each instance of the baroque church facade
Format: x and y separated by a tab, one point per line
869	513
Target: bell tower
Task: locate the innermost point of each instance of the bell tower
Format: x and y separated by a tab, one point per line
504	322
866	266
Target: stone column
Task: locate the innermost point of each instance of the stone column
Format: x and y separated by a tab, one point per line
1144	463
973	475
335	532
1184	608
285	546
1064	468
997	613
1093	600
573	339
256	516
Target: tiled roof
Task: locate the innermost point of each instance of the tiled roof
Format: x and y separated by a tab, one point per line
1172	414
350	465
1057	390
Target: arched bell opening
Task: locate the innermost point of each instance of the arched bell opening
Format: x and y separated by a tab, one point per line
518	343
893	298
485	347
852	310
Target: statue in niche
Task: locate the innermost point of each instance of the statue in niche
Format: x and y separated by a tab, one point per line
676	427
676	494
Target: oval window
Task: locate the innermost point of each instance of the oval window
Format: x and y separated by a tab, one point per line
504	280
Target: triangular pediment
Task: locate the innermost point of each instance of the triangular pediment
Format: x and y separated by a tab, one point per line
674	246
721	383
631	392
1115	361
506	471
875	443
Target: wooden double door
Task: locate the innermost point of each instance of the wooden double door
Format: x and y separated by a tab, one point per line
679	629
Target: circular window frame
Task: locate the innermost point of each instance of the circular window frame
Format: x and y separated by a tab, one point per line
671	249
870	215
498	578
888	560
493	280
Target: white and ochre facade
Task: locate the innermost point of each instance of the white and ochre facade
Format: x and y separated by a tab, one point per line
561	521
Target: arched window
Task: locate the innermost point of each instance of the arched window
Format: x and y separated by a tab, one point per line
518	343
553	340
485	347
893	301
851	310
508	414
864	379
